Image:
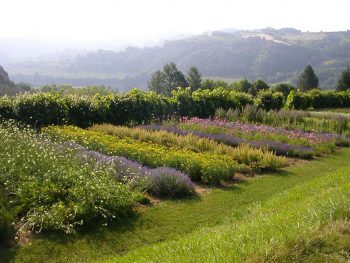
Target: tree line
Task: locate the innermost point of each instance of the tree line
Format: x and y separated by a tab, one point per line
171	78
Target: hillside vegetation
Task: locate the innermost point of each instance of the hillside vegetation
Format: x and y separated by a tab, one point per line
273	55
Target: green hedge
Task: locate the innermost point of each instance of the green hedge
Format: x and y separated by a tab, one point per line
318	99
139	107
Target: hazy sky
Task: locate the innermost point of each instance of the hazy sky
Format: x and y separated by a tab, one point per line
146	19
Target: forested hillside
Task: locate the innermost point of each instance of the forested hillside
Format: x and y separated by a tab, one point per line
269	54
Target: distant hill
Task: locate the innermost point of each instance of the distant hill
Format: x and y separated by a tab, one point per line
7	87
270	54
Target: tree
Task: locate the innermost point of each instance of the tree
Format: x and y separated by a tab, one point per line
242	86
344	80
257	86
194	79
308	79
284	88
173	78
166	81
156	83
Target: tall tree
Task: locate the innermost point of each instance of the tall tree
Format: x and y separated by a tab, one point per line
194	79
257	86
164	82
308	79
344	80
173	78
156	83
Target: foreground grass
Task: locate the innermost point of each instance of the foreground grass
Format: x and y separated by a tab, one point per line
265	228
328	244
212	216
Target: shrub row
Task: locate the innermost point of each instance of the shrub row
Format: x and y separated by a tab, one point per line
134	107
256	159
161	182
210	168
265	162
291	119
52	188
318	99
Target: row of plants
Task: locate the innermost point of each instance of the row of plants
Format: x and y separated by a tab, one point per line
208	167
50	187
291	119
282	141
254	158
223	136
41	109
163	182
318	99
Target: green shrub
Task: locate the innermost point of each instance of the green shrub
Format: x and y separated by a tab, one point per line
270	100
40	109
6	108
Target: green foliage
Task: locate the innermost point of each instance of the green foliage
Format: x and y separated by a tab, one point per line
139	107
206	101
54	187
242	86
308	80
232	241
285	88
6	219
297	100
270	100
258	86
89	91
164	82
40	109
344	80
214	84
194	79
7	110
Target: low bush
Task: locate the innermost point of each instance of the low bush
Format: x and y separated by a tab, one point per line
161	182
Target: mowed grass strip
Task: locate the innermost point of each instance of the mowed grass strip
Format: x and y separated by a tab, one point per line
266	227
171	220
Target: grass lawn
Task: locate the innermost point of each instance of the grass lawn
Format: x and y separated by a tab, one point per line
172	220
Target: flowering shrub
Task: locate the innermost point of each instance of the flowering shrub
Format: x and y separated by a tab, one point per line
211	168
52	188
173	137
162	182
264	146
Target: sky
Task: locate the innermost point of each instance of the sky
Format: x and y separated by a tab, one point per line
130	20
